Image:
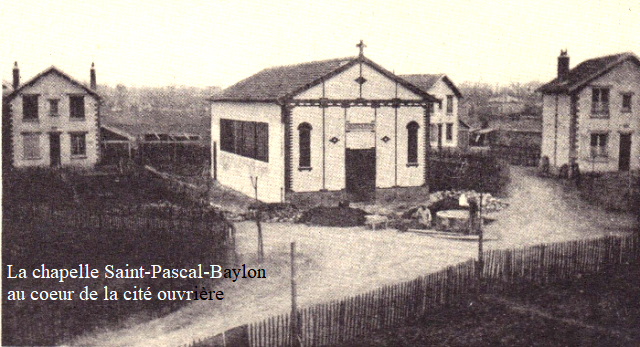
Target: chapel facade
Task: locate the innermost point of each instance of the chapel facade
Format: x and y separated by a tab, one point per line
344	126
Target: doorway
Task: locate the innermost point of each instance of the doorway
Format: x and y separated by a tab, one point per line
625	152
54	149
360	170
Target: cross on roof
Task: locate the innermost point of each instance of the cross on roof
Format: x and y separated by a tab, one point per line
361	46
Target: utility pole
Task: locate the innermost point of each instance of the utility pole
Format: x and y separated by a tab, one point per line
254	183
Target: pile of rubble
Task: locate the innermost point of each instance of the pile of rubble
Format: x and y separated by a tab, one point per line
489	202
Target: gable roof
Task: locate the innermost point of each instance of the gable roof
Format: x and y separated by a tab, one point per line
46	72
7	87
427	81
278	84
586	72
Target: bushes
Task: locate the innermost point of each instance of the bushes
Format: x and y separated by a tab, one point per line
456	170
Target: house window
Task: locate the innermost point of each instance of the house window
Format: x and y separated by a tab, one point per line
304	130
599	145
433	132
626	102
76	107
449	132
53	107
30	107
412	143
600	102
78	144
449	104
31	146
248	139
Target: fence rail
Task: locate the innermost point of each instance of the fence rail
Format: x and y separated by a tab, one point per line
512	269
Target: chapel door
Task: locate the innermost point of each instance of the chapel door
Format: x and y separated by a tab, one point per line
54	149
360	167
625	152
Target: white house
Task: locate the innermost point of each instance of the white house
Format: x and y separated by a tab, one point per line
591	114
52	120
445	124
342	126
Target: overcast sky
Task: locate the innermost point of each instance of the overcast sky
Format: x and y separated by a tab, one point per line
219	42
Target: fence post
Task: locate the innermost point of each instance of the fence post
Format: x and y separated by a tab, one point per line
295	331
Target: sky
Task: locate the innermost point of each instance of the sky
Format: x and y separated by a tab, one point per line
220	42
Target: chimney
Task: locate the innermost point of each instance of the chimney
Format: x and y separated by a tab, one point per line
93	84
563	65
16	76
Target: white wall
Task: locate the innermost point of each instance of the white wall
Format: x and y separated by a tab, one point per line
623	79
53	86
440	116
235	171
555	130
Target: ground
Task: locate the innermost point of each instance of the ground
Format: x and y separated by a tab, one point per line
339	262
597	310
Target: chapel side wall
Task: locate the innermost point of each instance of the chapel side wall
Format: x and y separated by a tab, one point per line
236	171
53	86
623	79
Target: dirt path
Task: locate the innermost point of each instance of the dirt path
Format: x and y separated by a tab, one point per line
546	210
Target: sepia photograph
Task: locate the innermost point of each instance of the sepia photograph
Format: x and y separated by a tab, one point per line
280	173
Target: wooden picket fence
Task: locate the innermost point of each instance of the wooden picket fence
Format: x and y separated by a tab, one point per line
343	320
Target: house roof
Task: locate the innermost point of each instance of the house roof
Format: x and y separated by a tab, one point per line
46	72
141	130
278	84
7	87
427	81
586	72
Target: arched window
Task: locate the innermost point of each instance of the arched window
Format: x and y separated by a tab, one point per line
412	143
304	130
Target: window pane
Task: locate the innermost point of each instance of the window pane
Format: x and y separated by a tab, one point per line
76	106
594	140
78	144
262	141
305	146
626	101
449	131
31	144
604	95
595	97
412	142
30	106
449	103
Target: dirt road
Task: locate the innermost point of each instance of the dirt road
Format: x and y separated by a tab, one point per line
337	262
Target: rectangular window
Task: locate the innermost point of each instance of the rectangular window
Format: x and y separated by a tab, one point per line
31	146
30	107
599	145
262	141
248	139
600	102
626	102
53	107
449	132
433	132
76	107
78	144
449	104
